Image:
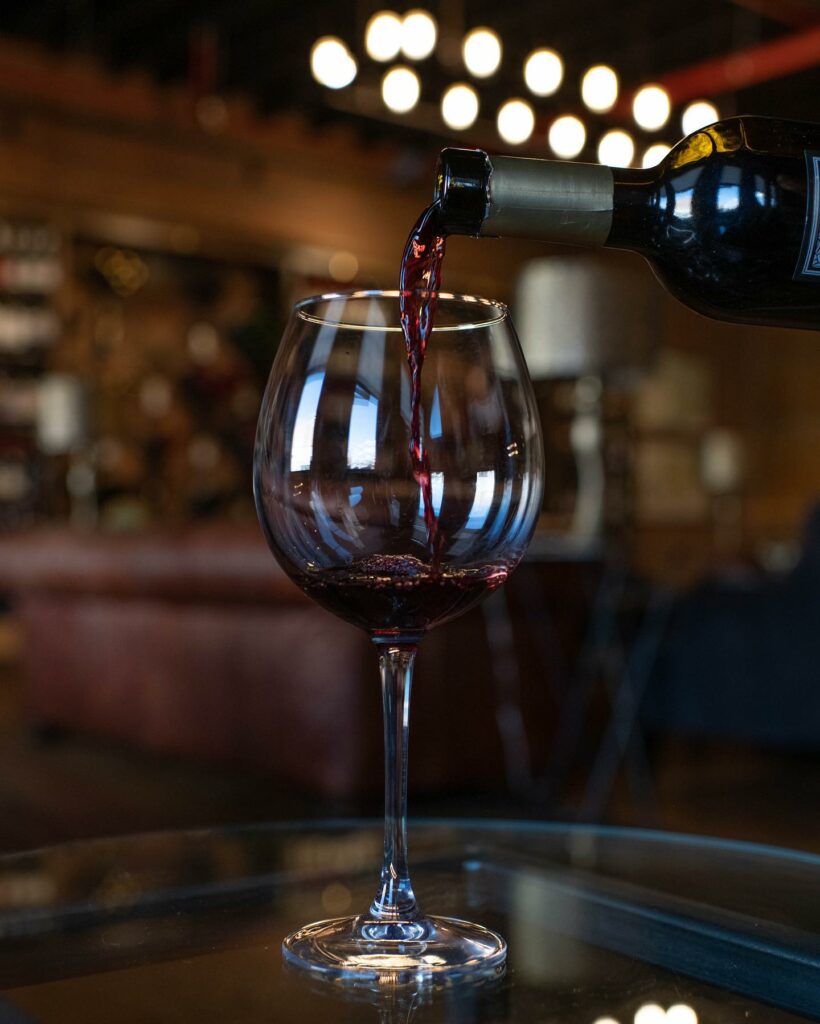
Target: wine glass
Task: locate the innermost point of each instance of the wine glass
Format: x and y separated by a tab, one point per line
340	501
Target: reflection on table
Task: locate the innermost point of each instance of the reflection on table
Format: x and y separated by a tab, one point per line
600	924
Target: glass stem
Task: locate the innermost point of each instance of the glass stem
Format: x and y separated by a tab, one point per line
395	900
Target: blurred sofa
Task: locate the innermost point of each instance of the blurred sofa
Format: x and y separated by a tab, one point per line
197	644
193	643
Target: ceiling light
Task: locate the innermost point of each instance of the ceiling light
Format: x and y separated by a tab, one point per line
651	107
459	106
482	52
654	154
515	122
698	115
383	35
401	89
543	72
616	149
418	34
567	136
599	88
332	63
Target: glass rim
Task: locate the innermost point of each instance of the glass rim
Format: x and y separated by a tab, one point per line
301	308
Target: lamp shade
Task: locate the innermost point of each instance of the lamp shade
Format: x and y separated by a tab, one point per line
583	314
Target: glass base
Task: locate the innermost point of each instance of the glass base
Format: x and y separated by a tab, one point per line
359	947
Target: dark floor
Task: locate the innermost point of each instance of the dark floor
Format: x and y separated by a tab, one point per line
55	789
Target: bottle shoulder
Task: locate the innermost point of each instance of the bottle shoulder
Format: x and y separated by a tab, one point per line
744	136
723	216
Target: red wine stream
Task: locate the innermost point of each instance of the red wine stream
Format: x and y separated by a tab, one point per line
390	594
419	284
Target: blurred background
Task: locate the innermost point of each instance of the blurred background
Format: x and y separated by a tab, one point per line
172	178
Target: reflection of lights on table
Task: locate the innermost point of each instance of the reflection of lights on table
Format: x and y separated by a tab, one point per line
650	1013
680	1013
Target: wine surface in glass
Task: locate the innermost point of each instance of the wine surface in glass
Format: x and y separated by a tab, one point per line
399	594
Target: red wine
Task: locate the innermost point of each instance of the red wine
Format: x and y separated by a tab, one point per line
390	595
729	220
419	283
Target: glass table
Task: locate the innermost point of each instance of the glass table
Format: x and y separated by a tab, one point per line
602	924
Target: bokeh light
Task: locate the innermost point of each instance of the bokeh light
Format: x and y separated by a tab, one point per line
599	88
567	136
543	72
651	107
332	63
654	154
401	89
515	121
459	106
482	52
616	149
419	32
698	115
383	35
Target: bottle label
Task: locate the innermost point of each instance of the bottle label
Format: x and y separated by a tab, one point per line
808	263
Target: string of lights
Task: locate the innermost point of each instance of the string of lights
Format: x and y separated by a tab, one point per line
412	37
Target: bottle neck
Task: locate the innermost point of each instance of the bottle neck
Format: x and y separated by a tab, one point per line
633	207
550	200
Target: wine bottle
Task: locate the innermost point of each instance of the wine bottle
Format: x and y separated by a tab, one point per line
729	220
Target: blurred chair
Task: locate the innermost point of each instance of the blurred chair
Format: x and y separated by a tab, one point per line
741	658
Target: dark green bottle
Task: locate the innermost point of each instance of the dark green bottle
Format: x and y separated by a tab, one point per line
729	220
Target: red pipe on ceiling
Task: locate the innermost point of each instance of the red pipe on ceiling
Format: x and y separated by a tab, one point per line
775	59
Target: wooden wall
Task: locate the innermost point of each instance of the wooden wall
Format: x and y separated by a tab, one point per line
122	155
760	386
